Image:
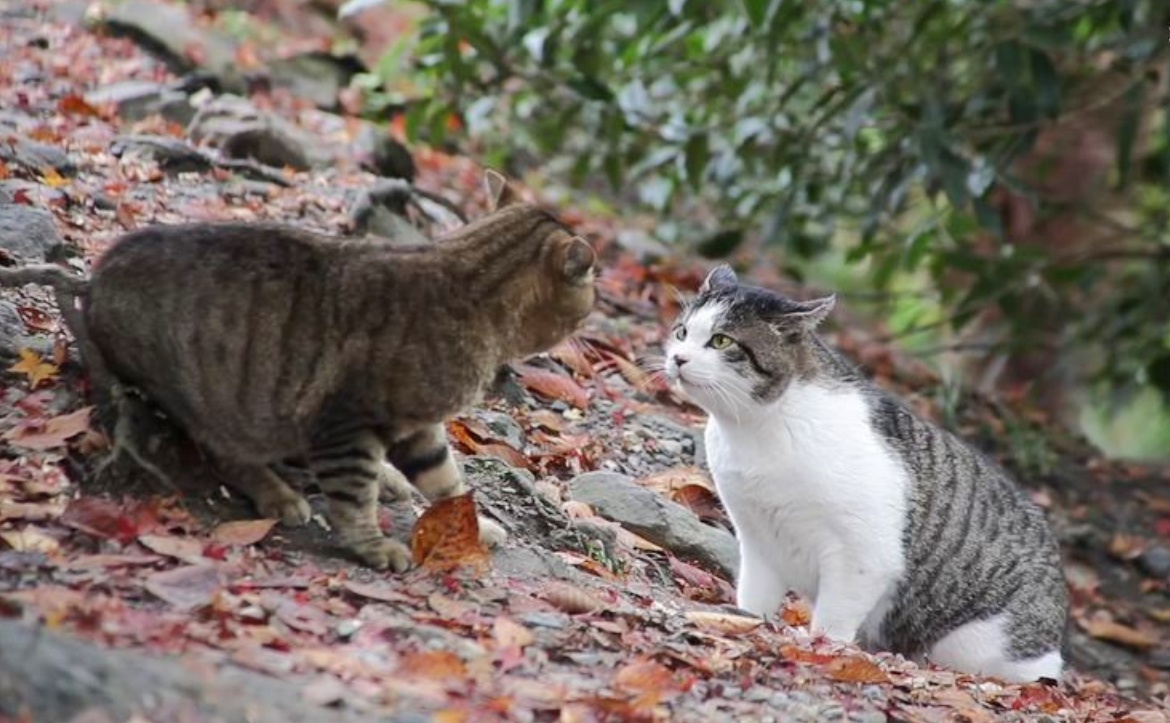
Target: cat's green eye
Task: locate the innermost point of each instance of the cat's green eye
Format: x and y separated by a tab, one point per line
721	341
680	333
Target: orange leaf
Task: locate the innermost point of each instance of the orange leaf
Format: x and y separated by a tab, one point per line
800	655
700	500
644	676
34	367
76	105
572	599
856	669
723	622
53	433
796	614
433	664
52	179
447	535
668	481
552	385
242	532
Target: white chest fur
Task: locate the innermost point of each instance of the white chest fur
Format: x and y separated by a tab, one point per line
819	505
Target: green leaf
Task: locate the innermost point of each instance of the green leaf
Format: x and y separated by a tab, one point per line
1009	63
697	153
1127	131
1046	83
589	87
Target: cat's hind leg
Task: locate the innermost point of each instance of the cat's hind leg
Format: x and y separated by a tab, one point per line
425	459
349	471
272	496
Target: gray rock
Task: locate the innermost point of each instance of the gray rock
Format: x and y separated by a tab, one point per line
381	210
11	331
315	76
138	99
170	32
1156	561
617	497
505	427
240	130
378	152
171	154
35	156
27	233
1159	659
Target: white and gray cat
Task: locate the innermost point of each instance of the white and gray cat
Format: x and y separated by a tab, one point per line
903	537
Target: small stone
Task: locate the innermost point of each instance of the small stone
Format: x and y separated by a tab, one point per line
35	156
507	428
1155	561
315	76
379	152
670	446
27	233
348	628
138	99
554	621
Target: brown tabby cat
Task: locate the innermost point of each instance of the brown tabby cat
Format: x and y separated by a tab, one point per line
268	343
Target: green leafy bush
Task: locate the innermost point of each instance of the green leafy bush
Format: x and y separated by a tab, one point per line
883	125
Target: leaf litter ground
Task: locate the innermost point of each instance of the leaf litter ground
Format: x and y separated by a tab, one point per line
545	629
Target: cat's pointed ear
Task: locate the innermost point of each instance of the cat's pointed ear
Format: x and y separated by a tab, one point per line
500	192
811	313
578	258
720	276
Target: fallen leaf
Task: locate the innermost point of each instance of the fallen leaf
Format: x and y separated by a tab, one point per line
668	481
856	669
88	562
1104	627
551	385
33	366
572	599
700	500
31	511
242	532
53	433
576	510
796	613
800	655
723	622
441	664
381	593
644	676
509	634
1127	547
186	588
187	549
447	535
548	419
105	518
74	104
51	178
30	539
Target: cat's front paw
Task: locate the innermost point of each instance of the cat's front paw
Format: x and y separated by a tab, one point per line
292	510
383	554
491	533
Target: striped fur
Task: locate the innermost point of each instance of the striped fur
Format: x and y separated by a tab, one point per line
904	537
277	348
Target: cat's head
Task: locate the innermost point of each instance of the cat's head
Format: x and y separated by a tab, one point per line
554	289
736	346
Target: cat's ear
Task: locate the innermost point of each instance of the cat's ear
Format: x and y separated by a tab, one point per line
720	276
500	192
577	260
810	314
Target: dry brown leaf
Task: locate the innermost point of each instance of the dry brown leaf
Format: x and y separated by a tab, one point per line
572	599
675	478
1127	547
723	622
55	432
242	532
74	104
700	500
441	664
801	655
796	613
509	634
577	510
644	676
856	669
181	548
447	536
964	704
51	178
381	593
31	511
30	539
548	419
552	385
1103	627
186	588
449	608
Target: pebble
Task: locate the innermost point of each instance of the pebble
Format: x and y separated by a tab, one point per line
347	628
1156	561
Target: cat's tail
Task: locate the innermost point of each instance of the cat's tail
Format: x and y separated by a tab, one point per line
69	291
